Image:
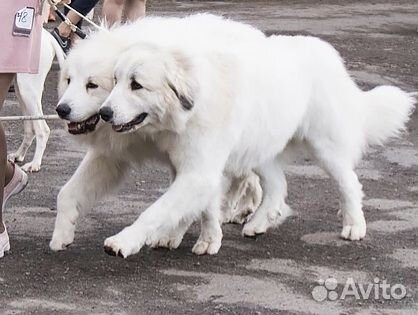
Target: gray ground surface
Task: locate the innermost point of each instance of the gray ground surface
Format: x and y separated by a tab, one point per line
272	274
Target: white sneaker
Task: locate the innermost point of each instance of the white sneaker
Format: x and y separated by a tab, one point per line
4	242
16	184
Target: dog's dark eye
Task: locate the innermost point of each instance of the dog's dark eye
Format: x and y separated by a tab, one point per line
68	80
115	80
135	85
91	85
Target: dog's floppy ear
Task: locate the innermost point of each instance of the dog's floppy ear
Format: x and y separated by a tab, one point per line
179	80
185	102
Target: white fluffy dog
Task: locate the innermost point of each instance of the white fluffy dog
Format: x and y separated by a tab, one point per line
87	80
237	108
29	89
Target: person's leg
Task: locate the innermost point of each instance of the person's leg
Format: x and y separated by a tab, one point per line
134	9
112	11
6	169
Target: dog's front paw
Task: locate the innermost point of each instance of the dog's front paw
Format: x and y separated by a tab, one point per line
354	225
170	242
122	244
210	247
262	220
354	232
209	242
31	167
255	227
259	223
61	239
236	216
241	217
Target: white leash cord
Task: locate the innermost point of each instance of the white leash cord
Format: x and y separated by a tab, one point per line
83	17
21	118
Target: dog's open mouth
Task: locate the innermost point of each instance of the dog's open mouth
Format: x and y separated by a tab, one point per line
128	126
85	126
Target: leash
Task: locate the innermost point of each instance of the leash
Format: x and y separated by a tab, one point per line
22	118
67	21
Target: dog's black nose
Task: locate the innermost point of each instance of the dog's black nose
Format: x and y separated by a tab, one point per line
63	110
106	113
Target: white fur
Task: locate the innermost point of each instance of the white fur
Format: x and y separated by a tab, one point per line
109	154
250	100
29	89
240	202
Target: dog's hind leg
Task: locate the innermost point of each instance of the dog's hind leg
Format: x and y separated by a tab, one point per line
31	87
339	166
29	133
96	176
273	209
42	132
28	136
242	198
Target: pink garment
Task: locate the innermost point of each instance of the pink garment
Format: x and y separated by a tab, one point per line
17	53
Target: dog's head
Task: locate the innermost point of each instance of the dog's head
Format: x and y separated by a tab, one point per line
153	91
86	81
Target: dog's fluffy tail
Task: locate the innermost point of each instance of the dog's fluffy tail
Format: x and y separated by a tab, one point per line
387	110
